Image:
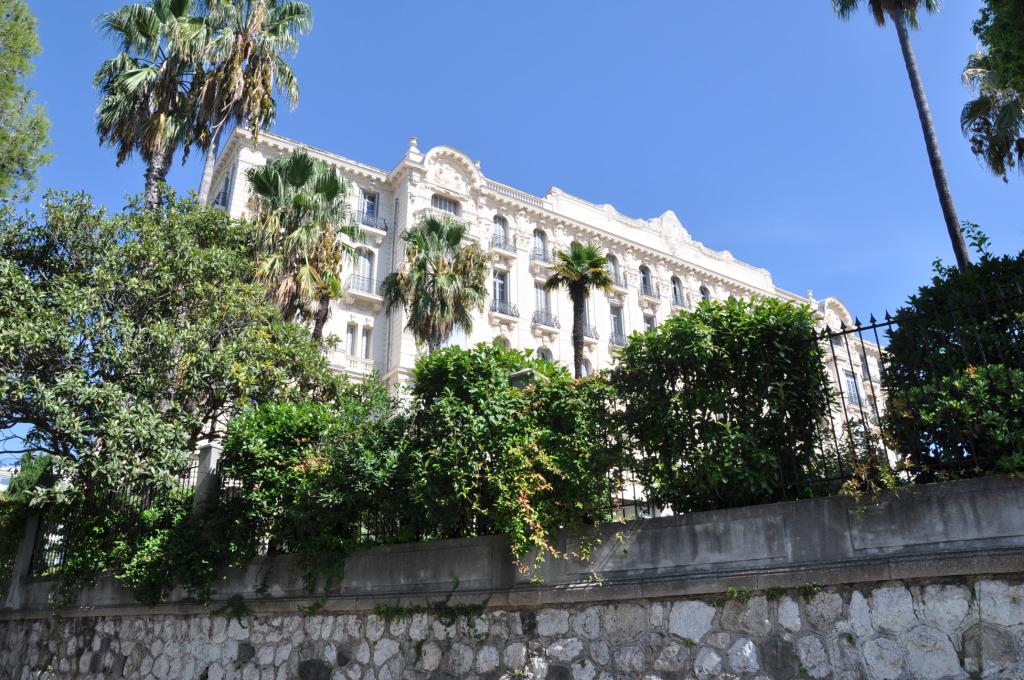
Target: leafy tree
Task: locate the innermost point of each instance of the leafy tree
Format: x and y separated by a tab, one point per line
126	341
335	463
483	456
723	404
246	67
579	270
148	88
24	127
994	120
300	206
955	372
903	14
440	284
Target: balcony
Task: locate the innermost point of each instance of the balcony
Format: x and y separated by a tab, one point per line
590	332
364	285
617	339
649	290
505	308
543	256
503	243
618	280
371	219
342	361
542	318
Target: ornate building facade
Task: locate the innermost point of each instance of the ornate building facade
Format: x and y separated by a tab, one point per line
658	267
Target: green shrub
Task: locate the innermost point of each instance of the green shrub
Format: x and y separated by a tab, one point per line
15	510
722	404
955	372
315	479
483	456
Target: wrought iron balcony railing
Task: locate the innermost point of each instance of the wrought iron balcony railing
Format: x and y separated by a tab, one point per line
649	290
542	255
504	307
590	332
372	220
543	318
364	284
502	242
617	339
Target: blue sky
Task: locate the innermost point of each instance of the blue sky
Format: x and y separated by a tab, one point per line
770	128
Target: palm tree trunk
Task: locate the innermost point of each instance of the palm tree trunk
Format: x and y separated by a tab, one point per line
578	312
931	141
321	317
156	174
208	165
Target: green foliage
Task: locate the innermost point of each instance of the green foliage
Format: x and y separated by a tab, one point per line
297	462
125	341
583	267
24	127
301	209
722	404
809	590
741	595
483	456
999	30
14	508
440	284
994	120
955	375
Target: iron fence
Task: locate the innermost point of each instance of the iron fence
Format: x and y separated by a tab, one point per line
869	382
122	517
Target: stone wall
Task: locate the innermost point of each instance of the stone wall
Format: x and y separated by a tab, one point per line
942	629
925	584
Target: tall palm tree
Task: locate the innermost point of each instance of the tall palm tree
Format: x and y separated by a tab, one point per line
441	282
147	90
994	120
301	210
579	270
903	14
245	52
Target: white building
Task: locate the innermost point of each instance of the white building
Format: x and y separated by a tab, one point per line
659	268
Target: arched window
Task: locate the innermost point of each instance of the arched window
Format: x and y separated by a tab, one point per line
678	300
501	227
445	204
705	294
502	341
540	246
613	269
646	282
544	353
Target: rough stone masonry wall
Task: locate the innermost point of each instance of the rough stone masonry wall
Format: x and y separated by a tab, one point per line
949	628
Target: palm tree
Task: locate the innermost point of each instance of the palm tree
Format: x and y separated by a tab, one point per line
903	13
994	120
583	267
301	210
148	88
248	39
440	284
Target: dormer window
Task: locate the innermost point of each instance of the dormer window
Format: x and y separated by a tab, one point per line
445	204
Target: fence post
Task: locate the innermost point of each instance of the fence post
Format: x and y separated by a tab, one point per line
207	479
15	596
